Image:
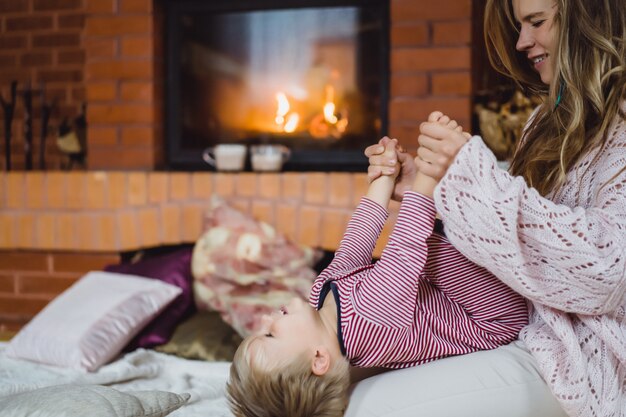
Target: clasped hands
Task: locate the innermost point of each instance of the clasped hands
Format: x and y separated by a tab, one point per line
440	140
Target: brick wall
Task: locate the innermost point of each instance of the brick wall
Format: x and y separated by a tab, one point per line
56	226
30	279
41	41
109	53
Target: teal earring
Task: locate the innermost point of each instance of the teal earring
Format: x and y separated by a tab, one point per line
558	98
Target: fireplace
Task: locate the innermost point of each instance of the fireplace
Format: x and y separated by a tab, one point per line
308	74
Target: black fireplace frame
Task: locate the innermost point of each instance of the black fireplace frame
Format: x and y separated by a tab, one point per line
301	160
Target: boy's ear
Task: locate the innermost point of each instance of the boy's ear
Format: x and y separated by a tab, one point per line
321	361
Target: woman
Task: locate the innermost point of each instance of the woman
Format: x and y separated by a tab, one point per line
554	229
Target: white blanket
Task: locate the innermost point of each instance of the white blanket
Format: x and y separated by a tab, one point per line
141	370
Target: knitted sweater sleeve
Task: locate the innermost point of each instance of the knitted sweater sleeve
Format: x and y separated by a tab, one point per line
567	256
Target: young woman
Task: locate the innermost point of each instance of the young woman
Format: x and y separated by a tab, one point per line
554	227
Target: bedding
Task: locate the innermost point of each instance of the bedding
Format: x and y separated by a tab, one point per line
90	322
141	370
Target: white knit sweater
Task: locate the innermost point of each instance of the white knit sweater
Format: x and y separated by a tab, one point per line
565	253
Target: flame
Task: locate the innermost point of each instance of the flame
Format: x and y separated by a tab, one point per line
329	113
329	107
282	109
292	123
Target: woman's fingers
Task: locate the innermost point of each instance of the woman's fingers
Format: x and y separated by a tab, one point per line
437	131
434	116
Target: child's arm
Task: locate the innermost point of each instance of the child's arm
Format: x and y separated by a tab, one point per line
363	230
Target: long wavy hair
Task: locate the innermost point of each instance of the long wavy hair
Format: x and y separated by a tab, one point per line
590	74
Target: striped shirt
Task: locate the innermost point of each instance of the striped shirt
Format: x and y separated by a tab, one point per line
421	301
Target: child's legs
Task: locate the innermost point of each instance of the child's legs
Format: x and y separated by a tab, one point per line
495	383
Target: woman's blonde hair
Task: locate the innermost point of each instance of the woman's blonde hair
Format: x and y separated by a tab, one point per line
589	78
289	389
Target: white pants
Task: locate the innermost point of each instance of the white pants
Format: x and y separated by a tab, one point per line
503	382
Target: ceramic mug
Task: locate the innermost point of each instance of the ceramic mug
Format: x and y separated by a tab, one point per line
269	157
226	157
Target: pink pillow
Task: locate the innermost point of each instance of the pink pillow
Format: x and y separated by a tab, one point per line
90	323
173	268
244	268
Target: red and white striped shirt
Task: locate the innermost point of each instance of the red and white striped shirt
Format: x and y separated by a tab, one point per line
421	301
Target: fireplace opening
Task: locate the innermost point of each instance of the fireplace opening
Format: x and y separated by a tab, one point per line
310	75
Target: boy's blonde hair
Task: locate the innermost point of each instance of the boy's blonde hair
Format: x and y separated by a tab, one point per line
289	389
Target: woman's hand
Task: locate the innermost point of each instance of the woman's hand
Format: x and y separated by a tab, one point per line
383	162
438	146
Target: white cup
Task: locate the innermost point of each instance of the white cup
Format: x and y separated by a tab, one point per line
269	157
226	157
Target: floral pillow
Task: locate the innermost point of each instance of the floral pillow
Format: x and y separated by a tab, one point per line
244	268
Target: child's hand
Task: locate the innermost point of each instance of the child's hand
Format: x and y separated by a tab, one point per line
391	166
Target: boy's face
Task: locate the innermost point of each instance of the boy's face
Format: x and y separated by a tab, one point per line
287	333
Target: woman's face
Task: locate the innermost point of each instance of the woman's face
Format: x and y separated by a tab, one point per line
537	34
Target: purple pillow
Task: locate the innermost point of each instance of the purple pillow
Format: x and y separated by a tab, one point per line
173	268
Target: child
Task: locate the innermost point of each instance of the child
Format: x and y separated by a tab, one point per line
420	302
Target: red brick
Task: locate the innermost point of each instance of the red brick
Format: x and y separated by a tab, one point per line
82	263
61	75
22	306
406	133
316	188
293	184
422	59
409	85
409	34
122	158
139	91
23	261
101	6
56	4
103	136
119	70
452	83
118	25
452	33
100	48
12	42
333	226
269	185
71	57
8	6
339	189
44	284
138	135
7	283
406	10
101	91
36	59
56	39
74	20
28	23
309	224
136	6
7	61
137	46
419	109
120	113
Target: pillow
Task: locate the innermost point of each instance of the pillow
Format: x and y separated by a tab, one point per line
173	268
243	268
90	400
203	336
90	323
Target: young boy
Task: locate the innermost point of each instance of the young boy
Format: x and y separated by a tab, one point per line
420	302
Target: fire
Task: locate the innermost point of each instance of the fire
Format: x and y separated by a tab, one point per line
283	107
329	122
290	124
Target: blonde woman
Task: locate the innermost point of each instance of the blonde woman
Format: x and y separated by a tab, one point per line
553	228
